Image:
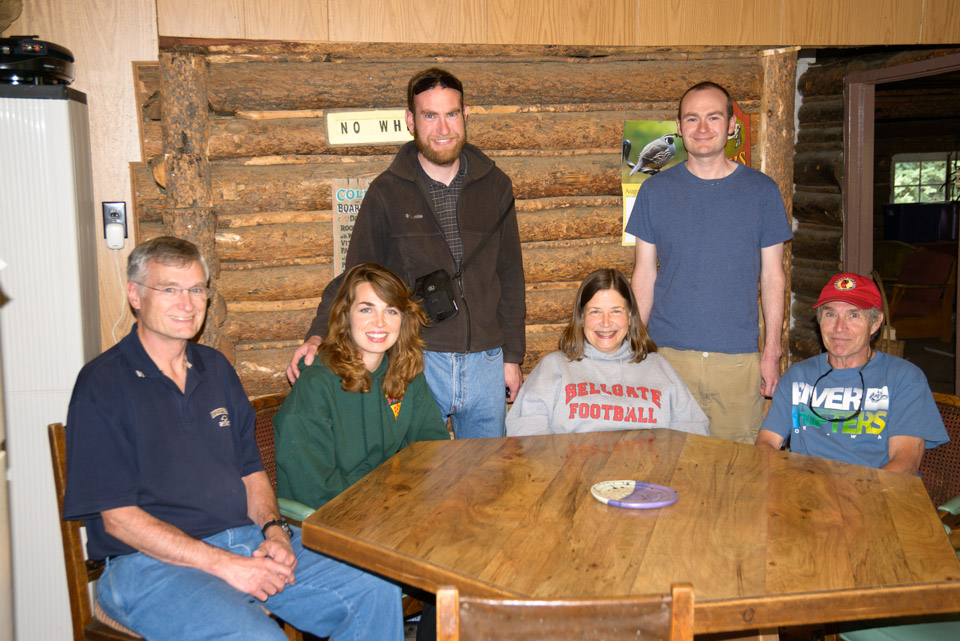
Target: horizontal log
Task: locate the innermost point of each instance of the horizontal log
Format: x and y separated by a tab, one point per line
822	111
819	209
803	345
350	85
817	244
316	238
280	325
575	259
226	50
831	147
827	78
807	281
809	134
289	240
275	283
263	239
263	370
552	305
818	168
243	188
915	105
554	261
239	137
821	80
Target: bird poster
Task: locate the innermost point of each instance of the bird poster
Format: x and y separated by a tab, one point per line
650	146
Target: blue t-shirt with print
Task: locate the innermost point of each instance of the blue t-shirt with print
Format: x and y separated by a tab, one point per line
894	398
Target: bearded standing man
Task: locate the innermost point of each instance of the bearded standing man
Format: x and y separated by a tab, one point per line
435	205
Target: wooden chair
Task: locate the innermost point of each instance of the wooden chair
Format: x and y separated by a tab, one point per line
922	302
940	467
649	618
89	621
265	409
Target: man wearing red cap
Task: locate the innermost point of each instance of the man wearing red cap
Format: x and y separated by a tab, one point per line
854	404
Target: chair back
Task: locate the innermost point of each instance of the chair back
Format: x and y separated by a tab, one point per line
940	467
650	618
79	571
265	408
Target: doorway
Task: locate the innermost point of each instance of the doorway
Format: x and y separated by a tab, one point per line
904	109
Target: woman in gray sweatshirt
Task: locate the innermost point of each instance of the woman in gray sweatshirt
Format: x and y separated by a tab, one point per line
607	374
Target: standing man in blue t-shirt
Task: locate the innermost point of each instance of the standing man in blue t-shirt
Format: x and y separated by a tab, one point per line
717	228
854	404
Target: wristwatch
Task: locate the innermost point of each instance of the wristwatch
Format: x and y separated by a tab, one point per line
282	523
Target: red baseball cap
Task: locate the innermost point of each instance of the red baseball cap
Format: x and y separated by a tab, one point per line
851	288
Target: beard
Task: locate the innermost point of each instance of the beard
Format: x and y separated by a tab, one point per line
444	158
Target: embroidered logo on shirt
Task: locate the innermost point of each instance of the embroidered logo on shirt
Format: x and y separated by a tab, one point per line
221	412
413	216
394	404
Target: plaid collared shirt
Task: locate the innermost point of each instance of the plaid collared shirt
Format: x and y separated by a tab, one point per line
445	199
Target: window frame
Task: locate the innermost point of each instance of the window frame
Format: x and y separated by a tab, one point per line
921	157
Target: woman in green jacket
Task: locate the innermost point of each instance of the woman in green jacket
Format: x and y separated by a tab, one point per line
364	398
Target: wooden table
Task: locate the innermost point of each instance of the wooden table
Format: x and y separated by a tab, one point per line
766	538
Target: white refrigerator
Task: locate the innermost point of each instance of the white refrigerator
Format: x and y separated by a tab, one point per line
49	326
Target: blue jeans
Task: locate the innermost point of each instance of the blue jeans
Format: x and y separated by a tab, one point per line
470	389
329	598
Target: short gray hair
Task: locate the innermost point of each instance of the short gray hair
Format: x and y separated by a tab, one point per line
166	250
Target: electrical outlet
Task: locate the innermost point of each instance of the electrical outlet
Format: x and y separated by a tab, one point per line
115	213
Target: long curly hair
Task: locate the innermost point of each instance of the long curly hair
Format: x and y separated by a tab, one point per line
340	352
572	339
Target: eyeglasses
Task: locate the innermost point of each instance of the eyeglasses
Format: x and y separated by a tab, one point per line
172	293
837	419
445	80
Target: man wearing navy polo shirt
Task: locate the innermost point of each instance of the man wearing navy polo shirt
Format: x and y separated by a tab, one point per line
163	466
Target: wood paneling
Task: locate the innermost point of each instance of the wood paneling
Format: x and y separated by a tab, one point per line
586	22
571	22
853	22
941	22
302	20
408	21
704	22
209	19
253	19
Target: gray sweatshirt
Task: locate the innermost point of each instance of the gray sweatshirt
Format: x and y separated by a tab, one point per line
604	392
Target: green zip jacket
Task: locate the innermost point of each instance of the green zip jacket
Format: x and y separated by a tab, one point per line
327	438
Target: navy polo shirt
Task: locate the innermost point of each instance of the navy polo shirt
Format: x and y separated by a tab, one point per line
133	438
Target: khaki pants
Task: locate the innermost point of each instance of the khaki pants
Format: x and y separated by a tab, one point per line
727	387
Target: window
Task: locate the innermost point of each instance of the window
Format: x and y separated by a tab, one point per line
924	178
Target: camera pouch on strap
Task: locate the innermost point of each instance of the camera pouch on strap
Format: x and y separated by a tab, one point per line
436	296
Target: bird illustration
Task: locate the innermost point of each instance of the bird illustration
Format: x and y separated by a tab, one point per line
655	155
736	136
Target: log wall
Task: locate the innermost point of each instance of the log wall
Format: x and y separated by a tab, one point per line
551	117
818	170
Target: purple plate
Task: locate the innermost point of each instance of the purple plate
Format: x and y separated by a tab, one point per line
635	495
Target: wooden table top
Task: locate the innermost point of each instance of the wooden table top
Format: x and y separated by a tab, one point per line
766	538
